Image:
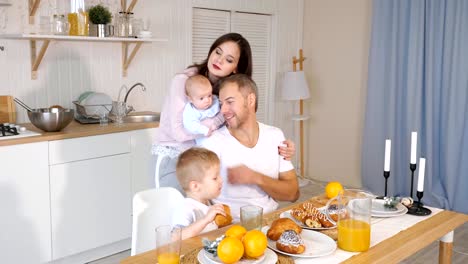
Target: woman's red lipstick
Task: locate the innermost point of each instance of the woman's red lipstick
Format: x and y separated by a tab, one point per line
216	67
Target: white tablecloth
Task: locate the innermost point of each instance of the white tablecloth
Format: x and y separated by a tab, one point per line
381	229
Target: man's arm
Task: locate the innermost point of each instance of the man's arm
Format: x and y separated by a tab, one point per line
285	188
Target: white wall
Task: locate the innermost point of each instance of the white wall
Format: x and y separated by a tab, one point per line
336	44
70	68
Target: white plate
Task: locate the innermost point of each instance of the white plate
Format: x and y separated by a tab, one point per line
379	210
316	244
268	258
287	214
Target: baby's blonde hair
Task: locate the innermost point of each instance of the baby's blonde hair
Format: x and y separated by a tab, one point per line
193	164
194	82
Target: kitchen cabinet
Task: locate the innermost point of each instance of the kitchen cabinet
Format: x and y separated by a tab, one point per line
24	202
70	200
90	192
143	163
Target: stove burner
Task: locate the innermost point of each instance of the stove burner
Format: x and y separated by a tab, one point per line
8	130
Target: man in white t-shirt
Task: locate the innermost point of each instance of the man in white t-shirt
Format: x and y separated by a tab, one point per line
253	171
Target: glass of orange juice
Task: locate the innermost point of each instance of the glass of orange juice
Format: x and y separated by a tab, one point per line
168	240
354	216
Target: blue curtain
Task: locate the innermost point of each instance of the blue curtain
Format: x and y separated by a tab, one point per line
418	81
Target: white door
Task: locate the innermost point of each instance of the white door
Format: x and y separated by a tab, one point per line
209	24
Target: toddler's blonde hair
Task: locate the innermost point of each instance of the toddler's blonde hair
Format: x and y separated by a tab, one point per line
193	164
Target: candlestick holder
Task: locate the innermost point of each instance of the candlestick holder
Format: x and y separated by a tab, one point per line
418	208
412	168
386	174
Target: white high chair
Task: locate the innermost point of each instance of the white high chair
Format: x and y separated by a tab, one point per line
151	208
162	152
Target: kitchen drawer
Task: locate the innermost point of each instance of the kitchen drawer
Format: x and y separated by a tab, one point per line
68	150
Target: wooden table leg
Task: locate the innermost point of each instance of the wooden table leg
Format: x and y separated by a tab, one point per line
445	248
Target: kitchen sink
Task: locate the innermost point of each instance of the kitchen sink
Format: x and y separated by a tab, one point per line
141	117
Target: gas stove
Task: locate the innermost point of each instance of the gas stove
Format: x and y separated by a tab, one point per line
12	131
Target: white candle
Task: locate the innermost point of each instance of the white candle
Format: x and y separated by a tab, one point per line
422	167
388	150
414	144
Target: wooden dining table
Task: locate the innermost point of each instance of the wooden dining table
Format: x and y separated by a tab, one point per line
393	249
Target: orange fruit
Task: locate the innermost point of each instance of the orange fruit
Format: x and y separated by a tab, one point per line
230	250
236	231
333	189
255	244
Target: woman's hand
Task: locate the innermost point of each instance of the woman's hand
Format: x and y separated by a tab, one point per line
287	149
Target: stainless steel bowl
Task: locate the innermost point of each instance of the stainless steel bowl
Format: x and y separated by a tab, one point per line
51	119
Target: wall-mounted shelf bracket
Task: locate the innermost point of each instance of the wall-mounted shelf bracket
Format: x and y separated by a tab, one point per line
33	5
123	5
126	59
36	58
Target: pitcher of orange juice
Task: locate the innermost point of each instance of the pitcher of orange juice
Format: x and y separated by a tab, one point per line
354	216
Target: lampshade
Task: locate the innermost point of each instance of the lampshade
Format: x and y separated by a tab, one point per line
294	86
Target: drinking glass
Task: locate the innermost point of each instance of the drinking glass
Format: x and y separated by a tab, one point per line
354	216
104	119
168	241
119	109
146	24
251	217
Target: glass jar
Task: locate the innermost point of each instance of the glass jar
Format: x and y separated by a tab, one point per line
121	27
59	25
130	25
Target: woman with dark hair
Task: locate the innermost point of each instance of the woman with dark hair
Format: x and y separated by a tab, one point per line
229	54
244	63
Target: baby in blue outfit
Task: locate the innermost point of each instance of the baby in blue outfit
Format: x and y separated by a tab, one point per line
202	104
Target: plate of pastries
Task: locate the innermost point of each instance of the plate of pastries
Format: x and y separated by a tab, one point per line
308	216
287	237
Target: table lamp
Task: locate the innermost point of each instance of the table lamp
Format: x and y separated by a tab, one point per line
294	88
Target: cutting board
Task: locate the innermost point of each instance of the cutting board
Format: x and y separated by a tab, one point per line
7	109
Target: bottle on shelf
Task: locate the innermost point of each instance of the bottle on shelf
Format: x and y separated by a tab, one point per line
79	23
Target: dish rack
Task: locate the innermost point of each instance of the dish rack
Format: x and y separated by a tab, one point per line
92	111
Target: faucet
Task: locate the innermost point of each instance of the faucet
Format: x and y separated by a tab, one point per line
143	88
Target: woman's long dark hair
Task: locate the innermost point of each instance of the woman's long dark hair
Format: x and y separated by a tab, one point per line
244	64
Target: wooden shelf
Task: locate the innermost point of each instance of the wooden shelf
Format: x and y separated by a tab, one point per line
78	38
36	58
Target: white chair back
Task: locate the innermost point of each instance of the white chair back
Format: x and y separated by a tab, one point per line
151	208
162	152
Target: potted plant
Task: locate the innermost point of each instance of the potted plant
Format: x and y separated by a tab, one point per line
99	16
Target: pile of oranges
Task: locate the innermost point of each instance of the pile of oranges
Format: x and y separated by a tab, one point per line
240	243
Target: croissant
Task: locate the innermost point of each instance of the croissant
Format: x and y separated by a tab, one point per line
280	225
222	220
